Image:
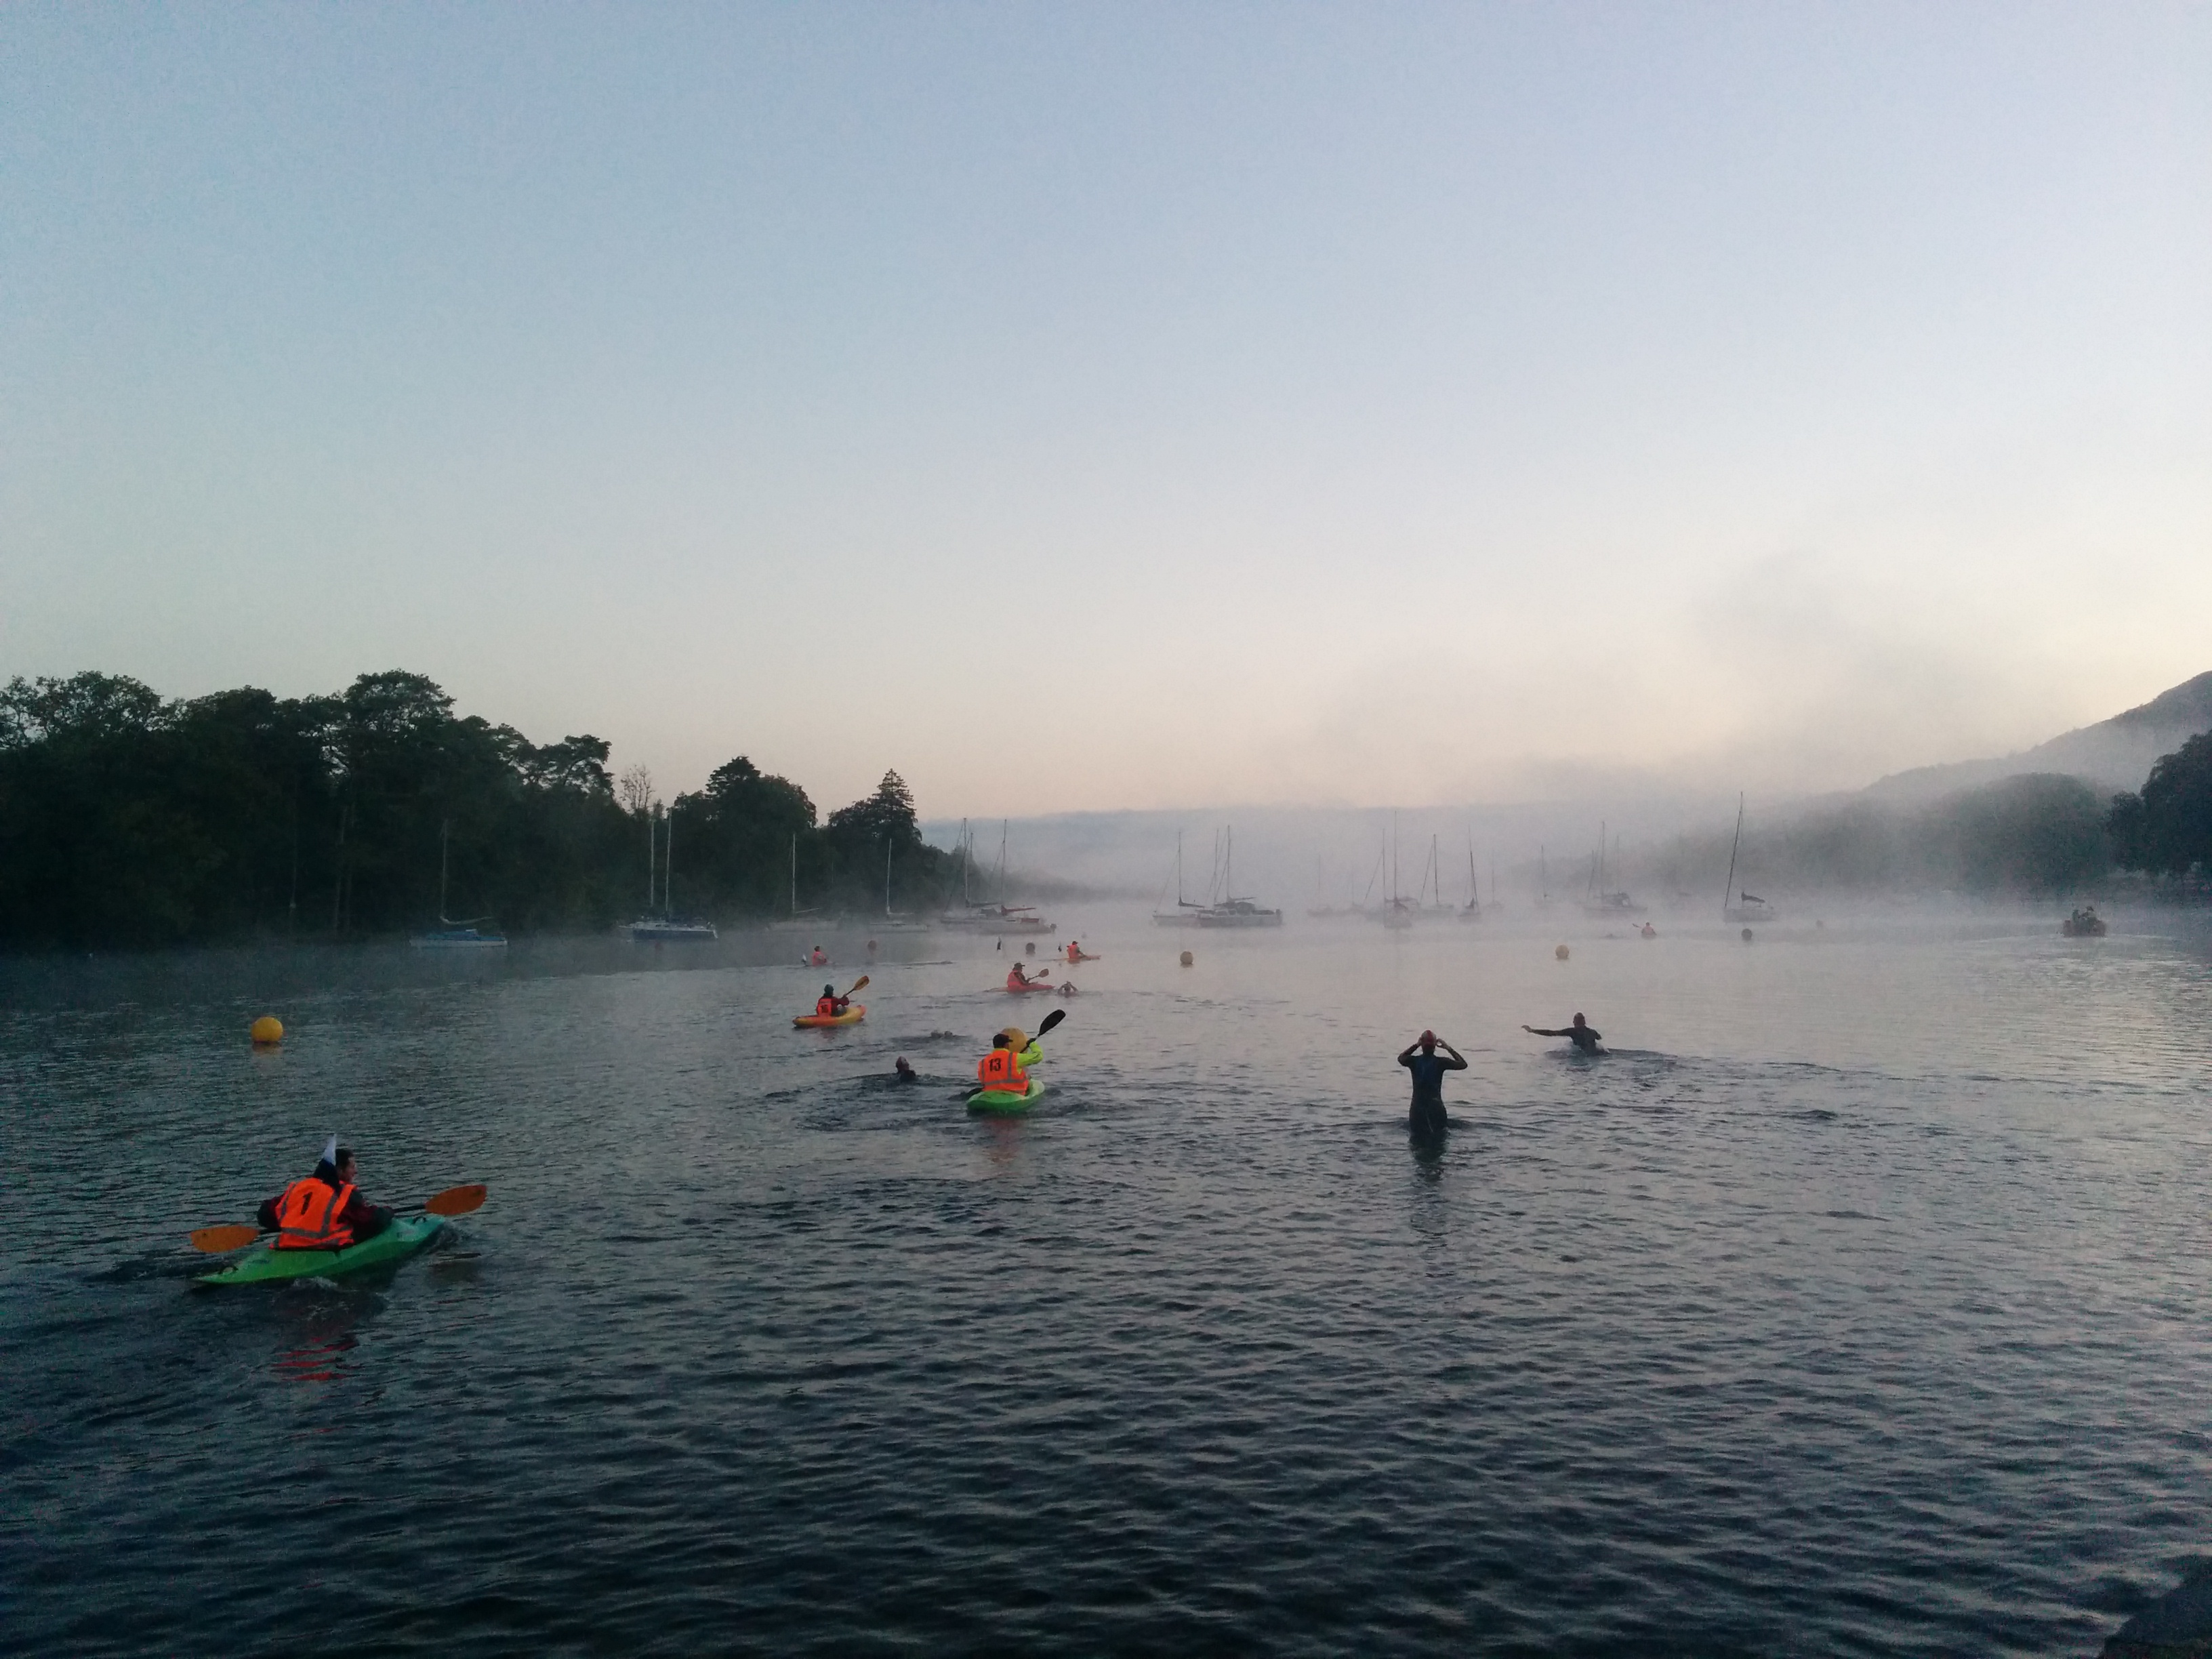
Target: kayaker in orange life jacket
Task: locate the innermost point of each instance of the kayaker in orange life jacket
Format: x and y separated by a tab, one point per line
1017	980
323	1211
1001	1069
830	1005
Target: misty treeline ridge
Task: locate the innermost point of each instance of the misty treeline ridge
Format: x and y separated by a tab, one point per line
127	818
2033	834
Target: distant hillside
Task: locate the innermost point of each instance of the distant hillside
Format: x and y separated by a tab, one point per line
2111	756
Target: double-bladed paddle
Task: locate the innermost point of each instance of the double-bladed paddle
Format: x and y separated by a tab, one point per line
454	1201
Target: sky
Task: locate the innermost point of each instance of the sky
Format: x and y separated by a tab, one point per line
1087	407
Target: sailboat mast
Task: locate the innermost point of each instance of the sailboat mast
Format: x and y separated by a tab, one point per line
1178	869
668	865
651	851
887	875
966	845
444	834
1002	863
1733	849
794	874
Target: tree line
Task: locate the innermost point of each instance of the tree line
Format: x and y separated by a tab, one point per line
2036	835
127	818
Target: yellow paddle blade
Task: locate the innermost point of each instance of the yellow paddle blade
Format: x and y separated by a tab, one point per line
455	1201
215	1240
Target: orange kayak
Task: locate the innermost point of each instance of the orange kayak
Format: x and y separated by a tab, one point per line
851	1016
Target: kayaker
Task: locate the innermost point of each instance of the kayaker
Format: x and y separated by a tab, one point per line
904	1071
1001	1069
1426	1115
830	1005
1580	1034
1018	981
323	1211
818	958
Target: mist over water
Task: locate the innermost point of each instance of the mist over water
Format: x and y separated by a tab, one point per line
1844	1306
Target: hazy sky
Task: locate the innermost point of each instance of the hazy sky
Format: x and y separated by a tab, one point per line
1096	406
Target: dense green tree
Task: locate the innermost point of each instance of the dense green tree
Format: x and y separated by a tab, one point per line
2168	828
735	842
2037	833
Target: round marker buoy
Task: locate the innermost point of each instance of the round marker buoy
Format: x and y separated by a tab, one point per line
1186	958
267	1032
1746	936
1558	953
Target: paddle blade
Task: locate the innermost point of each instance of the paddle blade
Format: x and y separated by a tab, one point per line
215	1240
455	1201
1051	1020
858	985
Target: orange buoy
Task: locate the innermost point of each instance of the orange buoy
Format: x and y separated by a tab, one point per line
268	1031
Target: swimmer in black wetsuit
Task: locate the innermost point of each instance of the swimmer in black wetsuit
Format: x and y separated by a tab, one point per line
1580	1033
1427	1116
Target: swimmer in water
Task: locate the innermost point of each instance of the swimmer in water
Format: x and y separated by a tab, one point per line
1580	1034
1427	1116
905	1072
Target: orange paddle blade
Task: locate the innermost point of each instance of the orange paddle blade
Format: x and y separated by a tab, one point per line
455	1201
215	1240
858	985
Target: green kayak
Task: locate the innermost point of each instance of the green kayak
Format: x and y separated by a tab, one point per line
268	1264
1004	1100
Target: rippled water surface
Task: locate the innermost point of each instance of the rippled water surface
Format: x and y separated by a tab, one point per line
1855	1303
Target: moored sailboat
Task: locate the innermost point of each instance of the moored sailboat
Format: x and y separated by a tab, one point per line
452	935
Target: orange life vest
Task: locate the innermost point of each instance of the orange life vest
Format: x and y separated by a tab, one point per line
1074	953
1001	1069
307	1216
826	1007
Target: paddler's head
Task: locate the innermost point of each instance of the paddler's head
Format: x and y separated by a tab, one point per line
345	1165
829	991
1000	1040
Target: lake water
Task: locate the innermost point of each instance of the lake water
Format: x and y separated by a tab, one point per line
1855	1303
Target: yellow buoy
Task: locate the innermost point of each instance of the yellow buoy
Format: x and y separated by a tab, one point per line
1186	958
1560	952
268	1031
